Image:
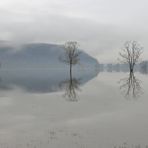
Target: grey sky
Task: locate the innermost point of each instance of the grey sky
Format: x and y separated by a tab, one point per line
100	26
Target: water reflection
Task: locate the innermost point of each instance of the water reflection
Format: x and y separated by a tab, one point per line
131	86
71	87
45	81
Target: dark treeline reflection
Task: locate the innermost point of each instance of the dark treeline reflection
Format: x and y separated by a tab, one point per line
130	86
141	67
46	81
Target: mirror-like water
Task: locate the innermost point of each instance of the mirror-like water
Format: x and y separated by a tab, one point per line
50	108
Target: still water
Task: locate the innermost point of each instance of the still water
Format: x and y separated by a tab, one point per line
90	109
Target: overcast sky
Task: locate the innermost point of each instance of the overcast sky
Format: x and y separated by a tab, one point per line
100	26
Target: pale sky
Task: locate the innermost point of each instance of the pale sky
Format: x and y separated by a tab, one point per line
100	26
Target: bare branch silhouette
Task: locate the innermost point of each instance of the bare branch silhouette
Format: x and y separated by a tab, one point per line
71	87
130	54
131	86
71	55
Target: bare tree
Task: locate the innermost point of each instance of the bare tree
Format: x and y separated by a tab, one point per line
130	54
71	55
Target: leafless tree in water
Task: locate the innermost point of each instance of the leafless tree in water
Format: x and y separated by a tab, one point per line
71	55
130	54
131	86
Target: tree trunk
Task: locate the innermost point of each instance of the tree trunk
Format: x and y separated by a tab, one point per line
131	68
70	71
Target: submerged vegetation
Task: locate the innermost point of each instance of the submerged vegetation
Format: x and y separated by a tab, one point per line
125	145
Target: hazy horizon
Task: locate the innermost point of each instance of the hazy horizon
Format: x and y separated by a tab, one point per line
100	26
90	93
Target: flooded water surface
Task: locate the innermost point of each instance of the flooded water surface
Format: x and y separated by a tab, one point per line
88	109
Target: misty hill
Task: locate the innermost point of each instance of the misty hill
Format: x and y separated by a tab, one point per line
39	55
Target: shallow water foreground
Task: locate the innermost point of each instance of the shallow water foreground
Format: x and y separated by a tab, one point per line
36	112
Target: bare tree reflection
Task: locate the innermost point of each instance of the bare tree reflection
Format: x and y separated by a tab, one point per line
131	86
71	87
